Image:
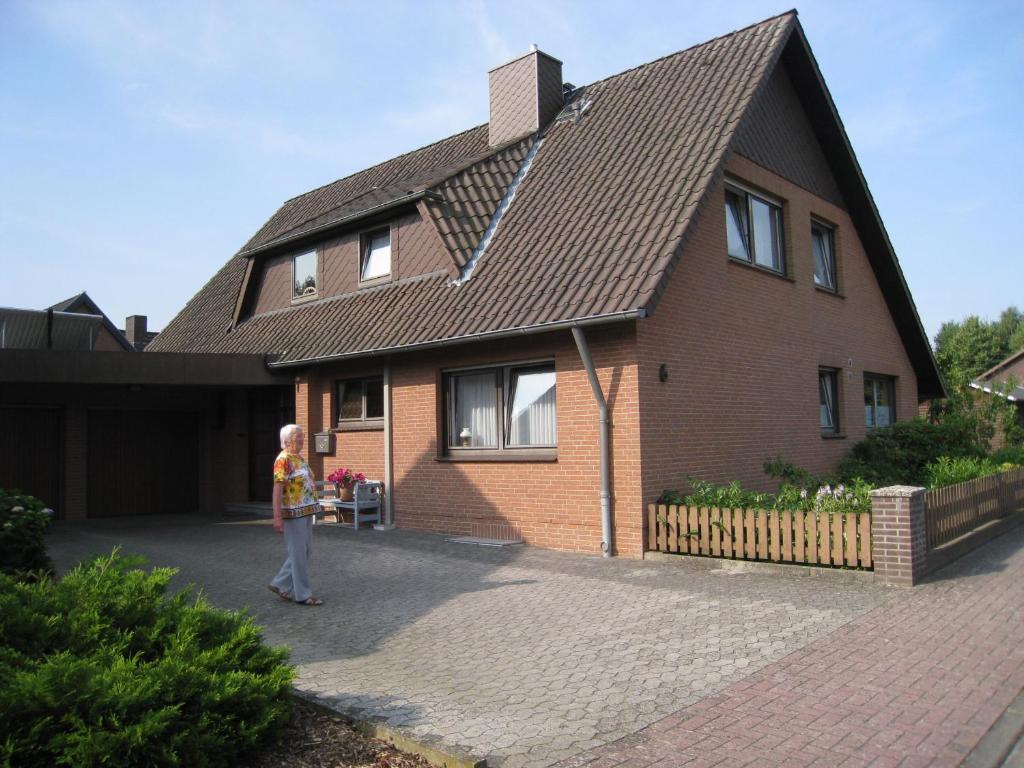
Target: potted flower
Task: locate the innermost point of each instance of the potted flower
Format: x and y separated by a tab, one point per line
345	480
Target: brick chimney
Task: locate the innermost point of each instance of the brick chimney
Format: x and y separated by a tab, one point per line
135	330
526	94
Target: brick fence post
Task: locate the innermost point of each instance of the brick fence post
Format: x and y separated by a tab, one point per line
899	544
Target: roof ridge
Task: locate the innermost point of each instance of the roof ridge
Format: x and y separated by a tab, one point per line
382	162
790	12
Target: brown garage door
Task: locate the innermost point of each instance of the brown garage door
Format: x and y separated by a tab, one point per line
143	463
30	452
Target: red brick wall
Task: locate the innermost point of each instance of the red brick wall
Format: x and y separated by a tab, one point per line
554	503
743	348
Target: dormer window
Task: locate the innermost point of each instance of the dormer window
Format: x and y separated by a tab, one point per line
304	275
376	255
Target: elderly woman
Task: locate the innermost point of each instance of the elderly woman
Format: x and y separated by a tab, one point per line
295	505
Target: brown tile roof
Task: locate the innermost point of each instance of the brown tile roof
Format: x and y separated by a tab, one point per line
592	231
595	227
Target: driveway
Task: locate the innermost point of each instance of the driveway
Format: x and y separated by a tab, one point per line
533	658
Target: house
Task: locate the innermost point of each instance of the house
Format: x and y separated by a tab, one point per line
75	323
1005	379
534	327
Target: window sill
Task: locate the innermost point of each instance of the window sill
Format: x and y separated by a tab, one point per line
829	291
541	454
833	436
304	299
374	281
759	268
370	425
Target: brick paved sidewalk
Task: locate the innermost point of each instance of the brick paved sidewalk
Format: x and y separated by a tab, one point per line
917	681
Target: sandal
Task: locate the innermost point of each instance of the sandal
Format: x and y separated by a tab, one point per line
310	601
279	592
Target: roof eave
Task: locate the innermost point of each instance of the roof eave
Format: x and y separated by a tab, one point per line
345	221
582	322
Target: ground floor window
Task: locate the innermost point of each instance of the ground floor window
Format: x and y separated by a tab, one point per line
500	409
879	400
360	401
828	397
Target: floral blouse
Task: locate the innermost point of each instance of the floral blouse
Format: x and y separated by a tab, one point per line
299	497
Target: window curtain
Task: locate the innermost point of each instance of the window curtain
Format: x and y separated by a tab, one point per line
823	270
475	408
766	233
532	417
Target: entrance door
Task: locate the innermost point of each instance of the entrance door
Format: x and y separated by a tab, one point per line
270	408
31	452
143	463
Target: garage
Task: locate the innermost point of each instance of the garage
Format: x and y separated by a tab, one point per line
143	463
30	452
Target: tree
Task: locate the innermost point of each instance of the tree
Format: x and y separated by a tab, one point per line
966	350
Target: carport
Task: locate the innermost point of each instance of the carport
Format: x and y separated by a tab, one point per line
105	434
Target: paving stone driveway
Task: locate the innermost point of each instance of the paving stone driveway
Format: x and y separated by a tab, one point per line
522	656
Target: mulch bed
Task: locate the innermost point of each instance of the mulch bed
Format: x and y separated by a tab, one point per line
315	739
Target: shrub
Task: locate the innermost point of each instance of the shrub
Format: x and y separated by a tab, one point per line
825	499
1013	455
23	522
899	454
949	471
101	668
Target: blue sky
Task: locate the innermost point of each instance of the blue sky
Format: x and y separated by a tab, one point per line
141	144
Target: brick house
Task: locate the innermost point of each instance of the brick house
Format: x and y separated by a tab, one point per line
688	247
1005	379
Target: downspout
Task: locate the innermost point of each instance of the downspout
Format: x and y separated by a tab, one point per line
387	519
602	406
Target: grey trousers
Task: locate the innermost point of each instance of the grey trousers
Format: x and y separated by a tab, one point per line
294	574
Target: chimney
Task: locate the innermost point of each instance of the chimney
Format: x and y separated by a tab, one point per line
526	94
135	330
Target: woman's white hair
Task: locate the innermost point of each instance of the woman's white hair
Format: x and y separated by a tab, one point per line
287	431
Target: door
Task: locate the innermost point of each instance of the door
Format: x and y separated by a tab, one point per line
31	452
143	463
270	408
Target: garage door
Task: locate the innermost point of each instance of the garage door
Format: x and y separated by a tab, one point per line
143	463
30	452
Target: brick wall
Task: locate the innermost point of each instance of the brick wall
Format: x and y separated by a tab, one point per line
743	348
553	503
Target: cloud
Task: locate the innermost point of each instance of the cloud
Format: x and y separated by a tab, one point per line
494	44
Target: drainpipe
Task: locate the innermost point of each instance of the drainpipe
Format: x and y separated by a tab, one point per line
387	519
602	406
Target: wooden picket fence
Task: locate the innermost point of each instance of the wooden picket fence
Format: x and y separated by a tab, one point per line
958	509
843	541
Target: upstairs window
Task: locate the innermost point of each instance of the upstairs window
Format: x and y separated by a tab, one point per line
501	409
360	400
754	229
823	244
828	397
304	275
879	400
376	255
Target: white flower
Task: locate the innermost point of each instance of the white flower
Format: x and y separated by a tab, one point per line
17	509
803	493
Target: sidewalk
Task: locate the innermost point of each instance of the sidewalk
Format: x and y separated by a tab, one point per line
917	681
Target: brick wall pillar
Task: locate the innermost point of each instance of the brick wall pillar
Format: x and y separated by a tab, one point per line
898	541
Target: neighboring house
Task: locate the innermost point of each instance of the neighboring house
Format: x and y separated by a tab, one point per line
695	234
1005	379
73	324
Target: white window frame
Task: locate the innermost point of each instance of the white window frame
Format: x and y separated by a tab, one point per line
830	233
306	295
365	242
776	207
880	379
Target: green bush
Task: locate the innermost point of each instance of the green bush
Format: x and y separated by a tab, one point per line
101	668
899	454
1013	455
949	471
23	522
